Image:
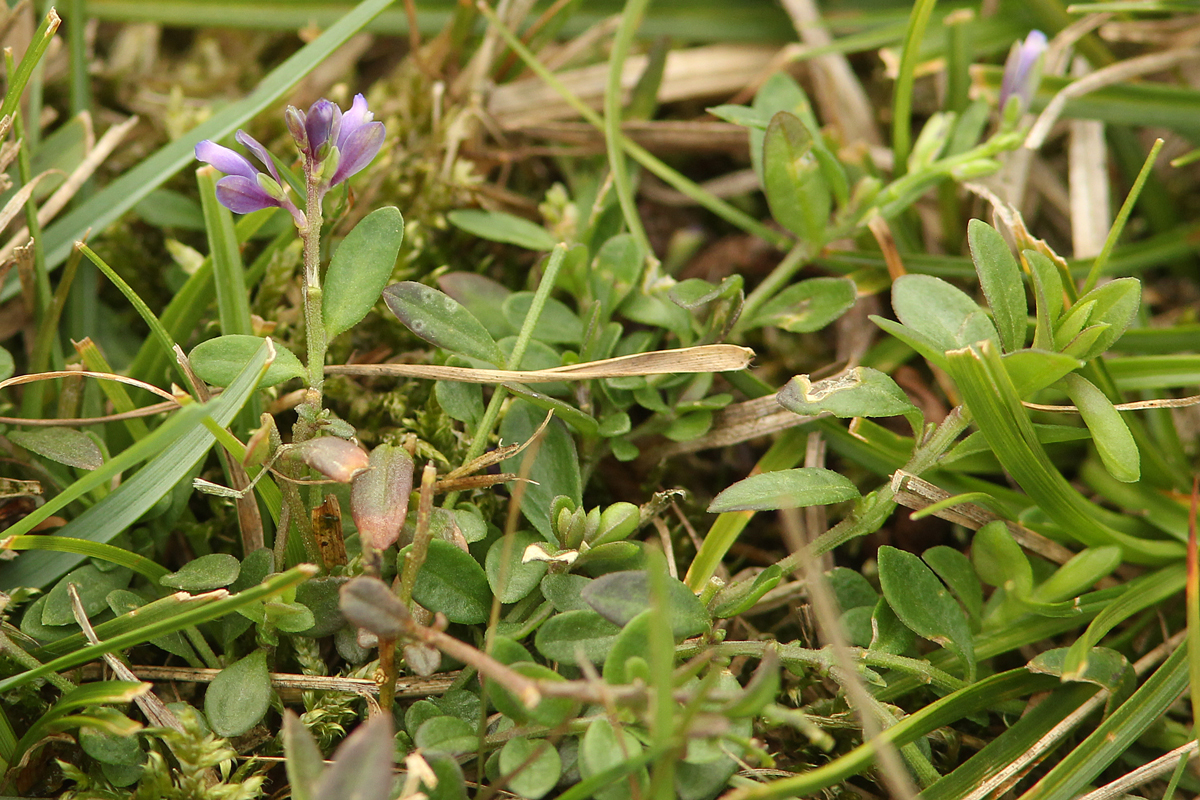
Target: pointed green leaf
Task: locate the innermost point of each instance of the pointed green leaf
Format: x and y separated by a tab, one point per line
219	361
943	314
787	488
1000	278
496	226
439	319
205	573
796	188
239	696
452	582
1111	435
64	445
360	268
924	604
808	305
857	392
621	596
556	470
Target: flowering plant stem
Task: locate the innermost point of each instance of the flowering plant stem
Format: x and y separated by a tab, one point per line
314	323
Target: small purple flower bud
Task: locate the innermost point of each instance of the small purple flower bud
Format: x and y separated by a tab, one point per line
294	118
318	124
1020	70
224	159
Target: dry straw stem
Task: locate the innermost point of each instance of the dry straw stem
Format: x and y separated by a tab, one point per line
1140	405
917	494
710	71
103	149
705	358
1122	70
154	709
405	687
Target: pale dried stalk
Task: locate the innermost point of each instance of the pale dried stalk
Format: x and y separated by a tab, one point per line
154	709
405	687
1106	76
103	149
17	380
711	71
705	358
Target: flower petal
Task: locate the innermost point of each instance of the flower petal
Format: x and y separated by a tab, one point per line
250	143
242	195
224	159
361	148
358	116
1019	69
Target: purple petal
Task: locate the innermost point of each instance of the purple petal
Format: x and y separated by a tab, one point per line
224	159
318	123
242	195
1019	68
361	148
250	143
358	116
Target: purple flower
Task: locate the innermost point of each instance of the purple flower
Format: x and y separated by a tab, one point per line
338	144
245	187
1020	70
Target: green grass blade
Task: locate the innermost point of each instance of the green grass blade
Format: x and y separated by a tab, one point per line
906	77
1117	733
989	395
229	274
1118	225
179	444
631	17
188	617
37	49
89	549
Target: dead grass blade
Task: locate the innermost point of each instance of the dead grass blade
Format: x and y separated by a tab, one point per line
704	358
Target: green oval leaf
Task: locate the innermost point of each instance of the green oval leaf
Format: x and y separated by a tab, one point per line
218	361
941	313
63	445
452	582
540	766
564	637
518	579
1111	435
621	596
796	189
239	696
439	319
550	711
924	604
786	488
557	324
93	586
808	305
446	734
556	470
496	226
857	392
204	573
360	268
